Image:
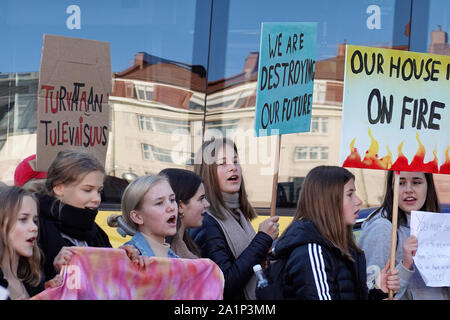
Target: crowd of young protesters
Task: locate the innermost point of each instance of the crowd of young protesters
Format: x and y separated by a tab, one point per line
206	214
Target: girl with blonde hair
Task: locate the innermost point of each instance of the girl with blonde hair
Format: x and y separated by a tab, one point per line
149	213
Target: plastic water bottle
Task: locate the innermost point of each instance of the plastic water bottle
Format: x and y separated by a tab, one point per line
262	281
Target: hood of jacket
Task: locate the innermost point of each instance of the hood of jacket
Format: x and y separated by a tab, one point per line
370	220
300	232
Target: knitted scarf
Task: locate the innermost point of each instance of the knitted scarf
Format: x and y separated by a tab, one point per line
75	222
238	234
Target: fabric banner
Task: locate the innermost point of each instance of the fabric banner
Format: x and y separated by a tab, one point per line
108	274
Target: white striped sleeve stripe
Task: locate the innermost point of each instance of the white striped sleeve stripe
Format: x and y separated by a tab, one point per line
318	269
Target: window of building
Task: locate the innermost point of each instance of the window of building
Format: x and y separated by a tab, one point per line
206	83
146	152
319	92
226	127
144	93
311	153
145	123
301	153
162	155
319	125
161	125
141	94
151	152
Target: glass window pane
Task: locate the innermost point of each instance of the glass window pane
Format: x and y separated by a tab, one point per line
314	124
324	125
430	34
234	65
313	153
159	63
324	153
153	45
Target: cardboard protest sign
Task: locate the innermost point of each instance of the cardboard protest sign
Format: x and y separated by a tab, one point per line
396	110
285	78
432	258
74	87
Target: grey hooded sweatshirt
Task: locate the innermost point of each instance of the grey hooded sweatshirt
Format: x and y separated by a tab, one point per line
375	240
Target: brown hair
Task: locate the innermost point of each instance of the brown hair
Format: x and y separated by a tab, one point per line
431	200
321	202
71	166
206	168
11	198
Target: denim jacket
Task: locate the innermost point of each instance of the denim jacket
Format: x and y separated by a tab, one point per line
144	248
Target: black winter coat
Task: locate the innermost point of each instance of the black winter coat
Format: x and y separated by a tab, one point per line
316	269
237	272
74	222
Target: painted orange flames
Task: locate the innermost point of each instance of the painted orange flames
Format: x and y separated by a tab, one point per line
372	161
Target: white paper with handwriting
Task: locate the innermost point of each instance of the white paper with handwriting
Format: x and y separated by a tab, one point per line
432	258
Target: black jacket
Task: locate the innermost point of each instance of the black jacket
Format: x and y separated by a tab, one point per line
54	218
237	272
316	269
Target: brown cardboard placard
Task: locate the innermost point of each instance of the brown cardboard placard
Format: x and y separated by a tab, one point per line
73	93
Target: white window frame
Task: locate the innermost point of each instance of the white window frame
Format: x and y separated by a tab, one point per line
320	151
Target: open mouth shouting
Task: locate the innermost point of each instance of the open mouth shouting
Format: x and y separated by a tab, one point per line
233	178
31	241
172	221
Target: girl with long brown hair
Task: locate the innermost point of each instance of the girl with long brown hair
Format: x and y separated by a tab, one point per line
20	256
322	259
226	235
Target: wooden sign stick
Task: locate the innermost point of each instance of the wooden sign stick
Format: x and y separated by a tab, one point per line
273	204
394	227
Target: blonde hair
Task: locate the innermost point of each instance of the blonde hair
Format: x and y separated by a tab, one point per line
132	199
206	168
71	166
11	199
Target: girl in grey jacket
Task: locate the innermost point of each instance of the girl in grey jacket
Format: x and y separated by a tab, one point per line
416	192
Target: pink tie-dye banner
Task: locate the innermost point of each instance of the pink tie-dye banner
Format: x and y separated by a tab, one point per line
106	273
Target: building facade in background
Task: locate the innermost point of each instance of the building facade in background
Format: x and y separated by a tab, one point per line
185	71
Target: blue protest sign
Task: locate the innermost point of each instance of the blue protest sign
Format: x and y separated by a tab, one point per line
285	78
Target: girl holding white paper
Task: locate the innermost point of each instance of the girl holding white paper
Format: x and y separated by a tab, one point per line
416	193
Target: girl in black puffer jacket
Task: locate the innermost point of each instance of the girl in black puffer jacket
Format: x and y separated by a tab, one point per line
226	235
323	260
